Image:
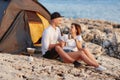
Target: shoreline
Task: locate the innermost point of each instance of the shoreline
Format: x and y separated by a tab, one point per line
93	19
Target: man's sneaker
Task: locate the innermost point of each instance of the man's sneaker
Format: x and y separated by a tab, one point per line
100	68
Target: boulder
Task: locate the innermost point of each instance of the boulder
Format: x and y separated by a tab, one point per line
94	49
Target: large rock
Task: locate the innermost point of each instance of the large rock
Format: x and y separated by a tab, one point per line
87	36
117	35
94	49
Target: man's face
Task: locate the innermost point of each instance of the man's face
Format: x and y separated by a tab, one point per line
58	21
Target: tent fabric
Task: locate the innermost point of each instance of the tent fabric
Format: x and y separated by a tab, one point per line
37	27
15	6
44	21
36	30
15	34
32	17
3	6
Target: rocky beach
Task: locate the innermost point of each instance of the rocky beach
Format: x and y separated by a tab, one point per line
102	38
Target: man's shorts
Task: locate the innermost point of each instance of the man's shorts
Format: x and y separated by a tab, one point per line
68	50
51	54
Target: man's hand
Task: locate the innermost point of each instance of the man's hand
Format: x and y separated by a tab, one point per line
62	43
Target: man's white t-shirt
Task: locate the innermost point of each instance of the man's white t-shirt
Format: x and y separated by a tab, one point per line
50	36
70	43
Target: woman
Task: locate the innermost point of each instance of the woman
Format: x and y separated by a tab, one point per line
73	47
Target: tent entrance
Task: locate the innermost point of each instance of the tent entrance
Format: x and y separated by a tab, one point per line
37	24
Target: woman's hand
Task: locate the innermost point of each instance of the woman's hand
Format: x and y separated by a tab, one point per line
74	36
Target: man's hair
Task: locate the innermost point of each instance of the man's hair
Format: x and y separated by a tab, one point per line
55	15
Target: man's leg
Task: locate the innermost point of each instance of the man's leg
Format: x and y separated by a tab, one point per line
66	58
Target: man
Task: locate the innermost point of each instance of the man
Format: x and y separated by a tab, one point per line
51	36
51	41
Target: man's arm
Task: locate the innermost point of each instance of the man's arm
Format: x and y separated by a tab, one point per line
61	44
51	46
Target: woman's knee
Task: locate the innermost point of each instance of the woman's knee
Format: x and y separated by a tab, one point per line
81	53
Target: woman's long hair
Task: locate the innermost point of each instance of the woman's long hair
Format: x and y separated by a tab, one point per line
78	28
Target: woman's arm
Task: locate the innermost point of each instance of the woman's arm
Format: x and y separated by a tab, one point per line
78	44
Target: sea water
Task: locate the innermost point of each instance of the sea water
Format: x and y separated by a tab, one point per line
93	9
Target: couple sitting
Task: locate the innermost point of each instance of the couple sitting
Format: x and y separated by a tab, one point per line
69	50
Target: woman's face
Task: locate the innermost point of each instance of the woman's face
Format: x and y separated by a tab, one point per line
73	30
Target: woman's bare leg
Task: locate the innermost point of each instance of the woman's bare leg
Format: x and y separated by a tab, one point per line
80	55
87	52
66	58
